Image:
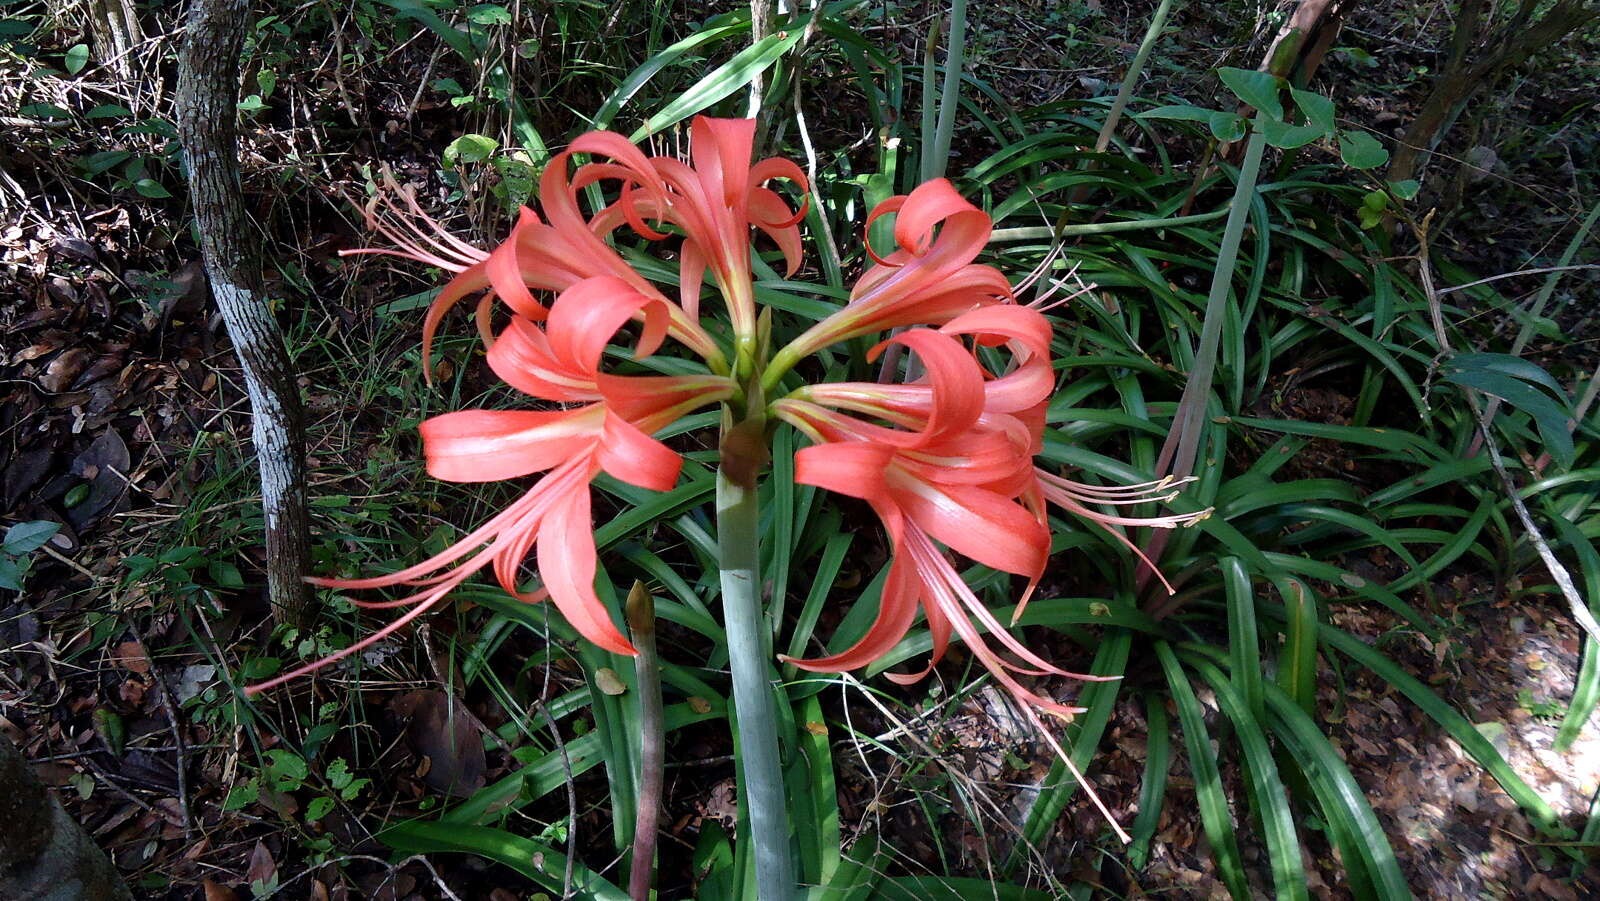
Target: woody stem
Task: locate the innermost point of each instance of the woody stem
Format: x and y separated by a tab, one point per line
750	658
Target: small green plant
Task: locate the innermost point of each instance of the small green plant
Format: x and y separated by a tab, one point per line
16	552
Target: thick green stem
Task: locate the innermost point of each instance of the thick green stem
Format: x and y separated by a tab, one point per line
760	775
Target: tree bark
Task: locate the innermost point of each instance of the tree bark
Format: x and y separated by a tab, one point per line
1473	65
44	854
1305	39
207	99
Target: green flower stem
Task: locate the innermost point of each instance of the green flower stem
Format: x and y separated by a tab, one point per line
760	776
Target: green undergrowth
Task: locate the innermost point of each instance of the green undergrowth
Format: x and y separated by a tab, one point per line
1330	427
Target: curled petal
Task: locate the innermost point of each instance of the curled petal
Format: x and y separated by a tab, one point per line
955	381
636	458
586	316
523	357
897	610
850	468
567	565
934	202
490	445
983	525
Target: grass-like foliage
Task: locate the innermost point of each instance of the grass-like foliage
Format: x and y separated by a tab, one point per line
1192	304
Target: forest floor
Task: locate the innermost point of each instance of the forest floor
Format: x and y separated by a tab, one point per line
124	421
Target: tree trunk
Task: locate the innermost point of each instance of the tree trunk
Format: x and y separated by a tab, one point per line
117	35
1305	39
44	854
208	79
1473	65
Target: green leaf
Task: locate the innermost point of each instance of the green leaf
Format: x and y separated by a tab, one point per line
1181	112
286	769
1266	788
1405	190
1286	136
731	76
1297	661
318	808
76	57
43	111
458	40
253	104
10	574
1318	109
1244	643
489	14
1226	126
1549	416
242	795
1258	89
1516	367
338	773
1446	716
266	80
1367	851
469	148
641	76
1360	150
109	111
1215	818
149	187
545	866
225	574
27	537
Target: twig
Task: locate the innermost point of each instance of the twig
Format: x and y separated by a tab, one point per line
179	750
1563	579
1495	278
572	798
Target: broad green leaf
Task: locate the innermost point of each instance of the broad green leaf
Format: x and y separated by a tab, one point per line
1318	109
1286	136
151	188
489	14
1360	150
1226	126
470	148
1516	367
27	537
1549	416
76	57
1258	89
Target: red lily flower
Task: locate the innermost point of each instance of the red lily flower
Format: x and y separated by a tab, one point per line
611	433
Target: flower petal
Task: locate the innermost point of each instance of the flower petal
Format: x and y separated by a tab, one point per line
567	566
489	445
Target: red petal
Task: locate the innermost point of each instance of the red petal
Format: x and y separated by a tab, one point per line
897	609
955	379
567	566
987	527
851	468
636	458
586	316
489	445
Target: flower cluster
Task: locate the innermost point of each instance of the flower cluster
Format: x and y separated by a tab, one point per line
946	461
